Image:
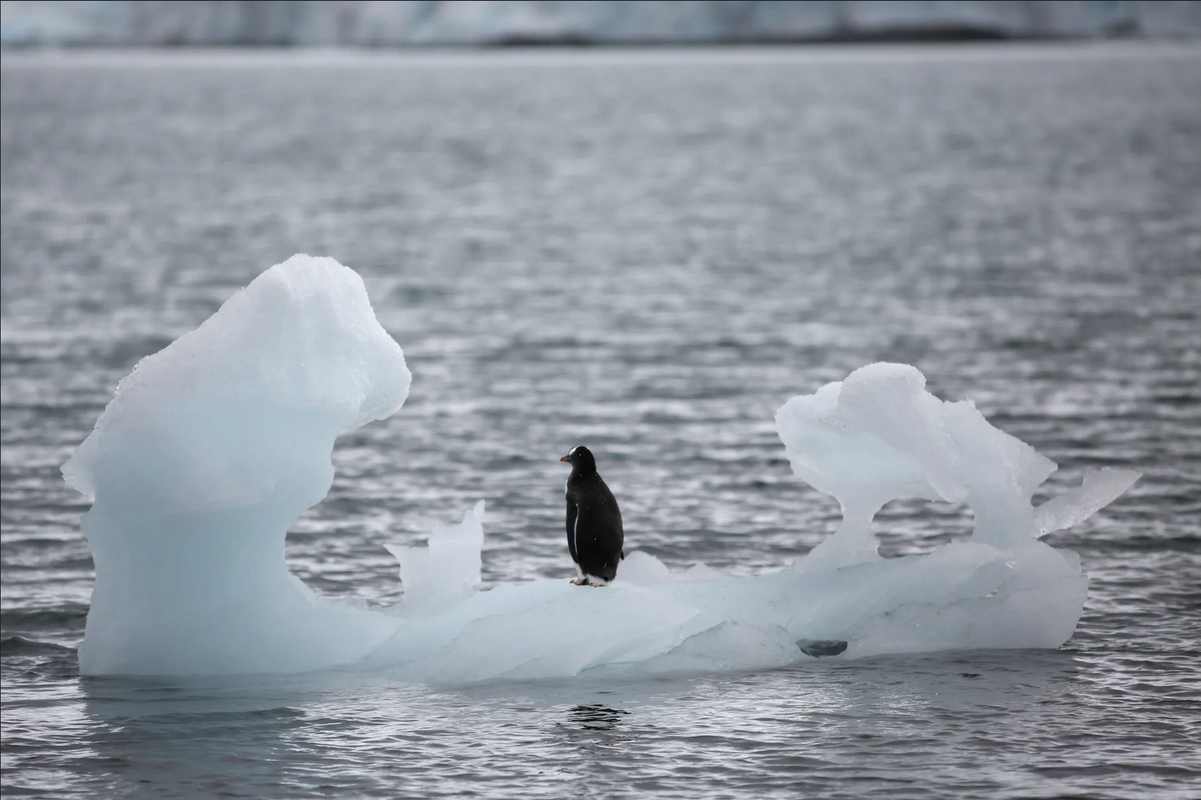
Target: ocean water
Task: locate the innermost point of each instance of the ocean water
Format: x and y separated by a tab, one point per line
646	252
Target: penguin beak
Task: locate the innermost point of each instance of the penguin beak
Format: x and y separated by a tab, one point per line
564	458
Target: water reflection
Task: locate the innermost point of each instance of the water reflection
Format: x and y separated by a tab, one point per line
211	737
595	716
198	736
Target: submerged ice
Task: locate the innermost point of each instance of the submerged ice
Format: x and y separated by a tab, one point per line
212	447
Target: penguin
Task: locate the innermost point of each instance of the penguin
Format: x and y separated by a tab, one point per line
594	532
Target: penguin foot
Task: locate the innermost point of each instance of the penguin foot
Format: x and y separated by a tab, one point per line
580	582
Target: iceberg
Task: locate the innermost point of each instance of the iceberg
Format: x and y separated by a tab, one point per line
209	451
211	448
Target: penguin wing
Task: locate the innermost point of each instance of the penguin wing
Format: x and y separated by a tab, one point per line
572	513
598	529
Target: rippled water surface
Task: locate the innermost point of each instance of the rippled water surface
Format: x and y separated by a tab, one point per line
647	253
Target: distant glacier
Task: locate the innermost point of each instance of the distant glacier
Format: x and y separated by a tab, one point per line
472	22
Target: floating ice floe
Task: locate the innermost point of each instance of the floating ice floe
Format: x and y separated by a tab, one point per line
212	447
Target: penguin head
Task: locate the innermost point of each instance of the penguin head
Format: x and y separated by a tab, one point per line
581	459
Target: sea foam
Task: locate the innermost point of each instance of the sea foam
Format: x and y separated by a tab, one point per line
213	447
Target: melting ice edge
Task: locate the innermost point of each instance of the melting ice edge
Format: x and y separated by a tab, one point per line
212	447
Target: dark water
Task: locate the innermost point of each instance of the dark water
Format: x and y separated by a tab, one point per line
647	253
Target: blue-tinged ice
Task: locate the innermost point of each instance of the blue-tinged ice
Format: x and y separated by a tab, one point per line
214	446
444	571
209	451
